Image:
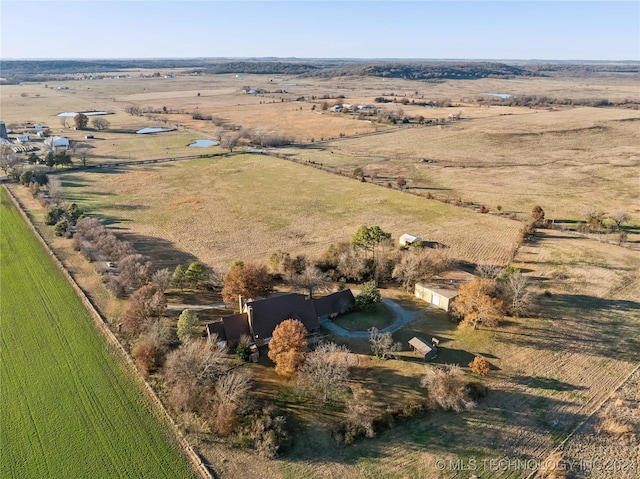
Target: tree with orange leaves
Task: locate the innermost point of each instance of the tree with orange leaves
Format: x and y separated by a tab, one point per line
286	348
476	304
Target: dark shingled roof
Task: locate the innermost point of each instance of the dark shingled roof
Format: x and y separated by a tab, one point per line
335	303
269	312
217	328
235	326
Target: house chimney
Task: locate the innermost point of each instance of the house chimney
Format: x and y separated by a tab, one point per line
240	302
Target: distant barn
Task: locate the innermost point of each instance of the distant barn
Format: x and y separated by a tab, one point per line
408	239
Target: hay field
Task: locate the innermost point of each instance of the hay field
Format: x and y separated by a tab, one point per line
247	207
69	407
562	160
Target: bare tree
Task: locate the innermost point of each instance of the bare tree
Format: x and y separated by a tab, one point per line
312	279
488	271
135	270
232	400
230	142
81	151
382	344
161	279
100	123
414	266
197	361
7	158
619	217
133	111
447	388
514	289
218	134
326	370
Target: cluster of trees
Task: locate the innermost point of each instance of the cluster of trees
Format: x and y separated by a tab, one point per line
196	275
34	180
486	300
60	158
205	382
595	221
322	374
63	219
96	242
447	389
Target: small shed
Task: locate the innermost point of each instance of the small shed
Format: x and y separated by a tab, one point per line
23	138
408	239
427	350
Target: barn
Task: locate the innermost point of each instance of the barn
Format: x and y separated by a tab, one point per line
441	290
438	297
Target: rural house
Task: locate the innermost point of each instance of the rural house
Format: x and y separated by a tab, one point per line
333	305
261	316
427	350
443	289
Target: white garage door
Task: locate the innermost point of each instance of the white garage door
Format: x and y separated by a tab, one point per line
435	300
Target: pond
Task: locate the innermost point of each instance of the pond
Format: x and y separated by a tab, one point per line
85	113
145	131
504	96
203	143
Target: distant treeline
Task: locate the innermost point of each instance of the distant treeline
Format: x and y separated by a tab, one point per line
15	71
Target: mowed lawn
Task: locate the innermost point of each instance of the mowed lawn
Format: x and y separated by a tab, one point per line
68	408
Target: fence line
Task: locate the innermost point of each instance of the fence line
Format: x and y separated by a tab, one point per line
116	345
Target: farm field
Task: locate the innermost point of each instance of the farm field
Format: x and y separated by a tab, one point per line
69	408
249	206
566	152
552	158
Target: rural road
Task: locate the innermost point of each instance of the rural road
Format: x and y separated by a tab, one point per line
403	317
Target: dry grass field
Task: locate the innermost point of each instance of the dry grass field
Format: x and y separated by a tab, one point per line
507	157
249	206
558	365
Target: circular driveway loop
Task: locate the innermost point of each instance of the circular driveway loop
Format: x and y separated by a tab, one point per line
403	317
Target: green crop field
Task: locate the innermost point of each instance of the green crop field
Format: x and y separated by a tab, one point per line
68	408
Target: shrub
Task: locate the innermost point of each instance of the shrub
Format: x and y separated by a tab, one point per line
243	350
61	227
369	296
480	365
447	388
267	432
146	357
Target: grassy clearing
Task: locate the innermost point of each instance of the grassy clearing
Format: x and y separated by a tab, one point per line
69	408
379	317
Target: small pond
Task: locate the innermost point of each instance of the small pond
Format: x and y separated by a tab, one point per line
85	113
145	131
504	96
203	143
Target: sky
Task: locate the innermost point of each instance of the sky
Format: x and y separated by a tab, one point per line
498	30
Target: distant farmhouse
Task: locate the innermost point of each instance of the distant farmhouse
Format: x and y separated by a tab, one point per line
443	289
261	316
